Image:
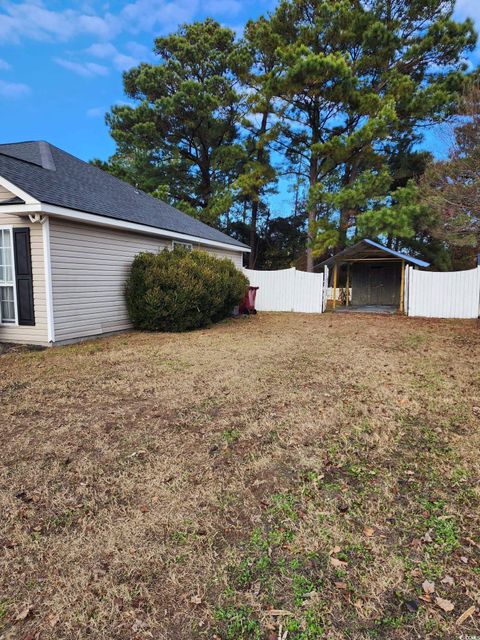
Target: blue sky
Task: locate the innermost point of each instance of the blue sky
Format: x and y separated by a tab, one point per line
61	61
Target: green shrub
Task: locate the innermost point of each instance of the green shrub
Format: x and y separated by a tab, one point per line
181	290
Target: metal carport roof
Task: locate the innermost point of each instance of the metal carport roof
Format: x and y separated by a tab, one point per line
365	249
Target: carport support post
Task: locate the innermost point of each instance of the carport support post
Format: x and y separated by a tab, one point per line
347	292
402	287
335	271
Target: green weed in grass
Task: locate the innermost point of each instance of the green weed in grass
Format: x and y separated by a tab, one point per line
444	528
283	504
231	435
239	623
446	534
414	340
301	587
309	629
180	537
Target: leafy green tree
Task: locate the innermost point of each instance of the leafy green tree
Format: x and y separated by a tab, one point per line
186	118
450	189
358	80
280	240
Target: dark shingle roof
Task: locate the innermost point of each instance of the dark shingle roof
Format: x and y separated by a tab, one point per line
55	177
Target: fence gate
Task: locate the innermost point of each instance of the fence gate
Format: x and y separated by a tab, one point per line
433	294
287	290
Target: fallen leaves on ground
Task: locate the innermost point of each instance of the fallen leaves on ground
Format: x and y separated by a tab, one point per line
428	587
24	613
337	563
445	605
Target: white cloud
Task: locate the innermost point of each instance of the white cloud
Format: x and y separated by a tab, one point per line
95	112
107	51
103	27
86	69
123	62
102	50
4	65
14	89
45	24
145	15
32	19
140	51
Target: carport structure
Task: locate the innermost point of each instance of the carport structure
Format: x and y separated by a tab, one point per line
372	275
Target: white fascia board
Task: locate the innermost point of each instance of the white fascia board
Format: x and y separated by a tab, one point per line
17	191
113	223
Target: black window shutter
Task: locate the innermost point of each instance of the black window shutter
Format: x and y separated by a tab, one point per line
23	276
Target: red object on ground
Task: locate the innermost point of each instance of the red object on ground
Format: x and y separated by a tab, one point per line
247	305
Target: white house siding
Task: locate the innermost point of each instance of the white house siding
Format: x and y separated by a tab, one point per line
89	267
37	334
235	256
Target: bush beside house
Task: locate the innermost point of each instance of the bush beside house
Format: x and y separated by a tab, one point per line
181	290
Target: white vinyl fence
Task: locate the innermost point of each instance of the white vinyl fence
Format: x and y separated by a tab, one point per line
287	290
432	294
428	294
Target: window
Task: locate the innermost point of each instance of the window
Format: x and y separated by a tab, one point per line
7	284
183	245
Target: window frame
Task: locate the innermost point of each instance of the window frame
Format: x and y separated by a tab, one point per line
13	283
180	243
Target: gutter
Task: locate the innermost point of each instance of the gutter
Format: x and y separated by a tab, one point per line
113	223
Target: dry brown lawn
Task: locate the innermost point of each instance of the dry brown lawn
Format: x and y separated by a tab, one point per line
282	476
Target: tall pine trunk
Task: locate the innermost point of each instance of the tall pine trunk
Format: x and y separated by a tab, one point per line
314	121
313	170
346	214
342	230
252	259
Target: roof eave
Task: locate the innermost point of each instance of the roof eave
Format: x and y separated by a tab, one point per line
34	205
116	223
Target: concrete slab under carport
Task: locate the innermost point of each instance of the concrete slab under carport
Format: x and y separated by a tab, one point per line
368	308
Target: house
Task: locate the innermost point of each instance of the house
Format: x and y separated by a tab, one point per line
372	275
68	234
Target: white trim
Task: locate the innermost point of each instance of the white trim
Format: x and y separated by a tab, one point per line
48	278
20	209
113	223
18	192
14	281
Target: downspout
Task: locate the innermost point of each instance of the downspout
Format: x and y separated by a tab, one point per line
48	278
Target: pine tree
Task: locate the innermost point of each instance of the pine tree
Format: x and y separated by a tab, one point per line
186	118
358	78
260	126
